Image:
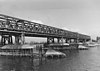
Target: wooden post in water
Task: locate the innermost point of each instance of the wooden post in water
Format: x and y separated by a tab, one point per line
40	53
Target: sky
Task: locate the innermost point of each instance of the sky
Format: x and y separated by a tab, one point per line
81	16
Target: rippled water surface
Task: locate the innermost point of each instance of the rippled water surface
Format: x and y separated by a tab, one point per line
82	60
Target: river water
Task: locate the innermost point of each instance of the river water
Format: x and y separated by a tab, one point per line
76	60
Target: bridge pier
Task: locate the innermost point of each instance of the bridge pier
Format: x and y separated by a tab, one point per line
10	40
50	40
84	40
66	40
60	40
80	40
6	39
76	40
20	39
17	39
69	40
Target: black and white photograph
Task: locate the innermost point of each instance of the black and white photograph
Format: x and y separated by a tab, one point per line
49	35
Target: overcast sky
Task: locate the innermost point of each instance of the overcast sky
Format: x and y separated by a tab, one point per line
81	16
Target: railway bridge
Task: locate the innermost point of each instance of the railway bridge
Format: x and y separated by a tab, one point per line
19	28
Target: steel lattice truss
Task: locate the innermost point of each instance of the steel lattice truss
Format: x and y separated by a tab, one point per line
19	25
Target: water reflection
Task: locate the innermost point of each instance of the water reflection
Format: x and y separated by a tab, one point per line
82	60
18	64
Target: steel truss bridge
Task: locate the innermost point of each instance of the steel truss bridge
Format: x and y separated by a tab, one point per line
11	26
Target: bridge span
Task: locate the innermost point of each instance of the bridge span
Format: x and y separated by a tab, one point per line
11	26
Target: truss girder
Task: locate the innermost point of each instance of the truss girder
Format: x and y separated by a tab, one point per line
16	24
